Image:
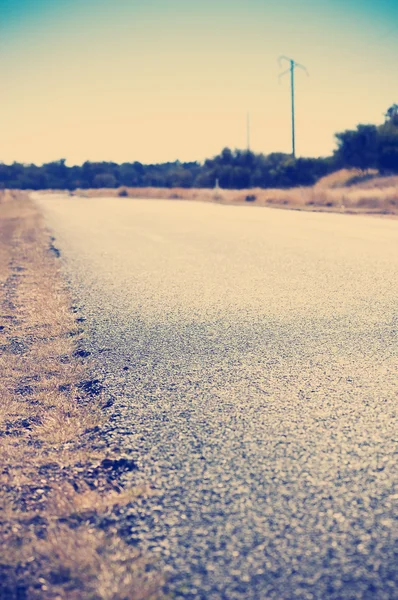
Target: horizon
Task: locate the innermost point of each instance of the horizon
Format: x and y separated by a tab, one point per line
122	82
171	162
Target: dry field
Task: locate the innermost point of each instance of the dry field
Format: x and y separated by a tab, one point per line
58	483
377	196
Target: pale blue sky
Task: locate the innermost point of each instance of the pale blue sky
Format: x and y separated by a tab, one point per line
159	80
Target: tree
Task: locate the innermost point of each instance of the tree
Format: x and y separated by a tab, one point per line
387	156
358	147
392	115
105	180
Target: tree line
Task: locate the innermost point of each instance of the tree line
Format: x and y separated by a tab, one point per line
365	147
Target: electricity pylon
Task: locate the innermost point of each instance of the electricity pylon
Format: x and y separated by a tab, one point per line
293	65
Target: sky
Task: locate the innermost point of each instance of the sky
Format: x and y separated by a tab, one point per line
165	80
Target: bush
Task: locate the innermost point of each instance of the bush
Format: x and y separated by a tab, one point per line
250	198
123	193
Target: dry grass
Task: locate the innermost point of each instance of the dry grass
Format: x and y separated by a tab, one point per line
65	500
52	487
333	193
72	564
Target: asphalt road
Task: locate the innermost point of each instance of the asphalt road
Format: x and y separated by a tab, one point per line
252	355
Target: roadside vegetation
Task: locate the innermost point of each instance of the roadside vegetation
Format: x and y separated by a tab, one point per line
61	488
342	191
364	148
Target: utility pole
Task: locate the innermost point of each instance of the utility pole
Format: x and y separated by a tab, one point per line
293	65
248	130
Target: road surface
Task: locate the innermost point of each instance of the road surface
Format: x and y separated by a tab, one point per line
252	356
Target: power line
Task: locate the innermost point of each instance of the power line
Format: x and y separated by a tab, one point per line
291	69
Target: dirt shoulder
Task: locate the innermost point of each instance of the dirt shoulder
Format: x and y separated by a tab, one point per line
60	487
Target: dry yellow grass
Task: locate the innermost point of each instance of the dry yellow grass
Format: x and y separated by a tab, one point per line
42	432
331	194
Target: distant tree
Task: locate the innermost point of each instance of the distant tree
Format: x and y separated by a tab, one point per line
387	155
392	115
358	148
363	148
129	175
206	178
15	176
4	176
56	174
105	180
179	176
226	157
